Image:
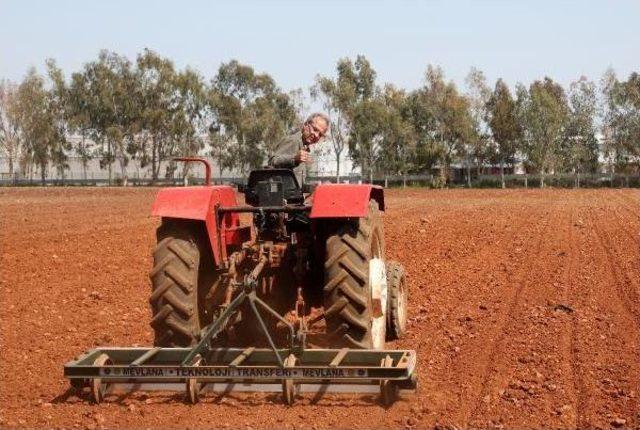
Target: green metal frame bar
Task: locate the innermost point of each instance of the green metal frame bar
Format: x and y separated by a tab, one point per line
261	364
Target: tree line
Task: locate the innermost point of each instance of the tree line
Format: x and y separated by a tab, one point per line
147	112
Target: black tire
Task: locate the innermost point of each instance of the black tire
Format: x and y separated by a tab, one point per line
347	297
397	301
181	277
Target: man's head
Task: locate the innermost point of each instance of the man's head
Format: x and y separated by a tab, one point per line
314	128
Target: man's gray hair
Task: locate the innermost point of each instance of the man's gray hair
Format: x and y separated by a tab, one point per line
315	115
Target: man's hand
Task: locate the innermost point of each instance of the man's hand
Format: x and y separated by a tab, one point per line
303	157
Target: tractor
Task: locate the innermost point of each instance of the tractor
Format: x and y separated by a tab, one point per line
288	292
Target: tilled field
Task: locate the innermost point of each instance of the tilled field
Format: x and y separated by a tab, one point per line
524	310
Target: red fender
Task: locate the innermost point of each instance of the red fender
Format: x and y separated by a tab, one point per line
198	203
345	200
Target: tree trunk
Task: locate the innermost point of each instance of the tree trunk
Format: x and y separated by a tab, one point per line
123	172
84	157
109	160
541	179
526	180
337	167
386	181
404	180
613	169
444	174
154	174
42	174
502	174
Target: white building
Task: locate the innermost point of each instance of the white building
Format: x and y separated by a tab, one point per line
325	161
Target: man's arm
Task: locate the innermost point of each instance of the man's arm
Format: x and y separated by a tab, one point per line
285	155
283	161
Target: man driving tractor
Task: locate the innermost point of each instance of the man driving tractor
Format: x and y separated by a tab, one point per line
294	150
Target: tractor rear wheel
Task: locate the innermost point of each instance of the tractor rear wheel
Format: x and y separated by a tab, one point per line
351	316
181	278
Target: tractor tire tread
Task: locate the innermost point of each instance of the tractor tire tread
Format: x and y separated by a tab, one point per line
174	277
346	288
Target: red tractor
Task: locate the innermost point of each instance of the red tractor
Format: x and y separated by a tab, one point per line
243	300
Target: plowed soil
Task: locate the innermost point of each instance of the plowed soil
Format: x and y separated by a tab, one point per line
524	310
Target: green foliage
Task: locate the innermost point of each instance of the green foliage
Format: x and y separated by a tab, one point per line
10	135
39	120
502	116
147	112
253	115
579	148
444	122
621	122
544	114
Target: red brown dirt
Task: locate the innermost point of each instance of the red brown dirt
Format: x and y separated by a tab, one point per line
524	310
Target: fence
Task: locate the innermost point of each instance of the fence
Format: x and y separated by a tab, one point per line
429	181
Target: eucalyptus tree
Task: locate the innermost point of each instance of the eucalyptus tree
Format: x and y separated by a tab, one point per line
79	118
398	135
253	114
477	94
355	99
10	132
544	118
502	118
367	134
444	122
108	94
621	119
160	113
58	106
271	117
189	122
579	148
338	97
630	101
37	121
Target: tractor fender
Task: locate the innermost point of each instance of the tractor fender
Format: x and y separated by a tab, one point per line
345	200
198	204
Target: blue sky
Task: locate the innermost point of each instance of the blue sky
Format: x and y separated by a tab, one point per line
295	40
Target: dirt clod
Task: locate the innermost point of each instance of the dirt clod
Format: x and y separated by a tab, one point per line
618	422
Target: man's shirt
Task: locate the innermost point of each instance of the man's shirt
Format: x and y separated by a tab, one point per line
285	155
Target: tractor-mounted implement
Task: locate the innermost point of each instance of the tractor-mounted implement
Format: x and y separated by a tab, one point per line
299	300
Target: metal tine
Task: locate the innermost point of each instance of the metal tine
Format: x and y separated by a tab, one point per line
242	357
146	356
339	357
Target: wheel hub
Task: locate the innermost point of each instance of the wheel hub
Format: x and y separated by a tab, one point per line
378	287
